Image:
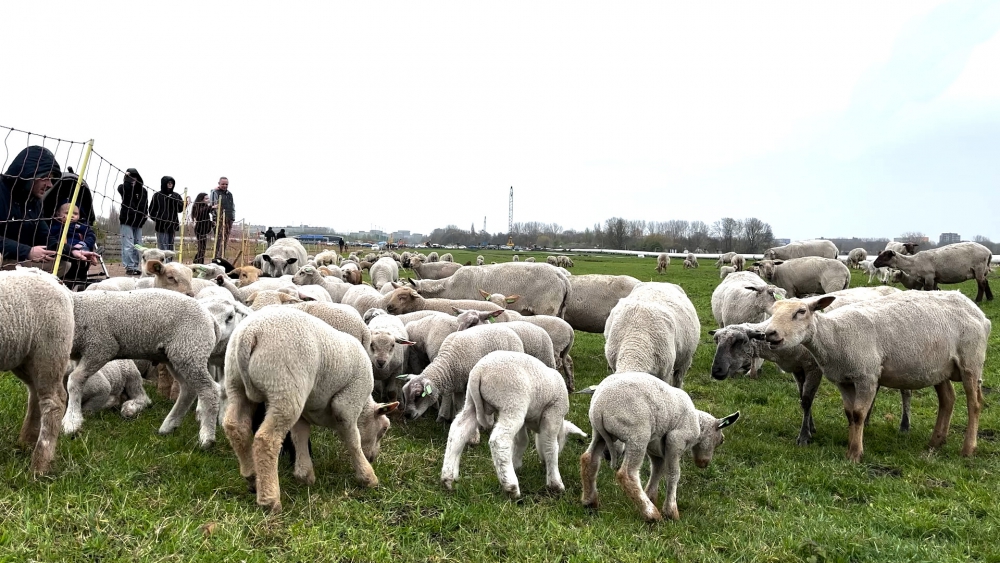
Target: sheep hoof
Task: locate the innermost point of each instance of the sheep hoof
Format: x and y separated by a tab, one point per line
273	506
556	488
513	491
673	513
71	423
306	477
592	504
803	440
448	484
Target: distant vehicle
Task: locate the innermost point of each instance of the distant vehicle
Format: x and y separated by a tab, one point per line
374	247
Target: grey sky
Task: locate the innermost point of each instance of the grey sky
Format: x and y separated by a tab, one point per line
839	119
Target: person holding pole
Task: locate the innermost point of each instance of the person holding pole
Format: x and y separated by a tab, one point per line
223	211
23	232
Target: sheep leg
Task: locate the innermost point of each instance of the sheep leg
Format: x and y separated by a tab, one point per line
986	286
164	381
445	412
673	463
946	404
303	470
501	448
32	418
51	407
520	444
657	467
350	436
73	418
138	400
970	382
904	421
238	426
266	445
590	464
461	433
628	477
808	383
547	444
182	405
567	365
858	397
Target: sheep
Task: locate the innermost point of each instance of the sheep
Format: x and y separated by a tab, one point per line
515	258
427	334
164	327
725	271
351	272
592	297
117	379
743	297
914	340
805	276
283	257
544	290
113	284
387	350
689	264
246	274
432	257
908	248
654	330
408	300
692	258
435	271
480	260
310	276
523	394
868	267
364	297
447	376
724	259
552	260
385	270
148	254
307	373
737	350
738	262
952	263
662	261
265	297
803	248
327	258
36	335
207	271
654	419
856	256
529	259
564	261
447	257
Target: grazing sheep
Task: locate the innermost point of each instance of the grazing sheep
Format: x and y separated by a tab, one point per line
283	257
544	290
435	271
724	259
725	271
652	419
689	264
913	339
432	257
803	248
36	334
164	326
738	262
116	380
805	276
592	297
662	261
445	379
480	260
692	259
515	258
384	271
523	394
387	350
856	256
447	257
306	373
310	276
550	260
908	248
952	263
737	351
529	259
654	330
564	261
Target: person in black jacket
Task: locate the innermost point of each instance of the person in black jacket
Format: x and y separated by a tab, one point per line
203	225
281	234
269	236
23	231
132	217
163	210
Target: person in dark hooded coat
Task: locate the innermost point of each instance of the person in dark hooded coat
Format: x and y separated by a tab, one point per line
165	207
269	236
23	230
132	217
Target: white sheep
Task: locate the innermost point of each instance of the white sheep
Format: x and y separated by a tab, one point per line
909	248
544	290
447	257
113	284
856	256
724	259
529	259
564	261
118	379
515	258
806	276
283	257
912	340
341	317
306	373
148	254
309	276
592	297
432	271
522	394
688	265
650	418
427	334
36	335
385	270
952	263
744	298
662	261
725	271
432	257
387	350
480	260
803	248
692	259
327	258
549	260
738	262
407	300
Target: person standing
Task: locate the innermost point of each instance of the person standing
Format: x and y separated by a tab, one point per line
132	216
222	204
202	225
281	234
23	232
165	207
340	243
269	236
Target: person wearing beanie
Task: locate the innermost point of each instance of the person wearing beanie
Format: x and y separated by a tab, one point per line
164	208
132	217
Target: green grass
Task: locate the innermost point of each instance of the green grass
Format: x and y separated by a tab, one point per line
119	491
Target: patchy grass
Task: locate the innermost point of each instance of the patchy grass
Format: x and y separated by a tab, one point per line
119	491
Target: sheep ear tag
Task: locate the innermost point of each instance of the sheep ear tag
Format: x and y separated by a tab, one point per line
386	408
427	390
729	420
588	391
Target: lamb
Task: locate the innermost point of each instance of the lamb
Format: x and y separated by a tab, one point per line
408	300
738	262
544	290
266	297
529	259
386	270
908	248
246	274
480	260
427	334
165	327
654	330
724	259
805	276
592	297
743	298
564	261
803	248
117	379
914	340
952	263
351	272
36	335
283	257
447	257
364	297
148	254
435	271
738	350
432	257
447	376
327	258
552	260
306	373
689	264
868	267
856	256
113	284
387	351
515	258
662	261
692	259
310	276
725	271
654	419
524	395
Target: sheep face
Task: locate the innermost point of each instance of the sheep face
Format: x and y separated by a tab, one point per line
792	323
885	258
382	351
280	265
733	352
418	396
471	318
352	276
711	436
403	300
175	277
260	299
307	275
372	425
248	274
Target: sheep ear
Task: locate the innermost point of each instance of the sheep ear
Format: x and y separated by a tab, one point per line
512	298
251	297
822	302
729	420
292	261
712	332
587	391
154	267
405	376
385	408
756	335
495	314
266	258
457	311
404	341
755	288
485	295
220	279
427	390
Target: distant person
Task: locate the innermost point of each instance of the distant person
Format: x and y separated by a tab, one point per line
340	243
281	234
222	205
200	214
269	236
22	230
132	216
79	248
165	207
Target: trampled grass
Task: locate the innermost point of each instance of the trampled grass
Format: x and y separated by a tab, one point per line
119	491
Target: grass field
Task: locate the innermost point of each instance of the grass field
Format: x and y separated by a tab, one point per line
119	491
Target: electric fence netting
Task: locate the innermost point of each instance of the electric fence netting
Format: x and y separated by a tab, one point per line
41	174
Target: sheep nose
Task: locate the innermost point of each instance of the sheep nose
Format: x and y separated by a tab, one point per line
380	363
718	372
771	335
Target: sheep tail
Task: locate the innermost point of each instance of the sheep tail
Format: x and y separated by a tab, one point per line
484	420
244	348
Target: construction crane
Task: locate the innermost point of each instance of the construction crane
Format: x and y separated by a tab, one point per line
510	220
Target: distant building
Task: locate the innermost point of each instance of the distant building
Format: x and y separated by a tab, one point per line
949	238
782	241
912	239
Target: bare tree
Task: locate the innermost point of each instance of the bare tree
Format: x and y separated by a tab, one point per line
616	232
755	235
698	235
725	230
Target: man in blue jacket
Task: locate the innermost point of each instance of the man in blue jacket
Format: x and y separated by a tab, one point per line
23	231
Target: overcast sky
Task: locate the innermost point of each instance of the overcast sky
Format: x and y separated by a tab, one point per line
823	119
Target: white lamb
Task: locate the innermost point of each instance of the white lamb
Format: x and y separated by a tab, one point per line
386	270
725	271
523	394
387	350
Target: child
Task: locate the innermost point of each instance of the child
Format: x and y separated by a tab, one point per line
80	243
